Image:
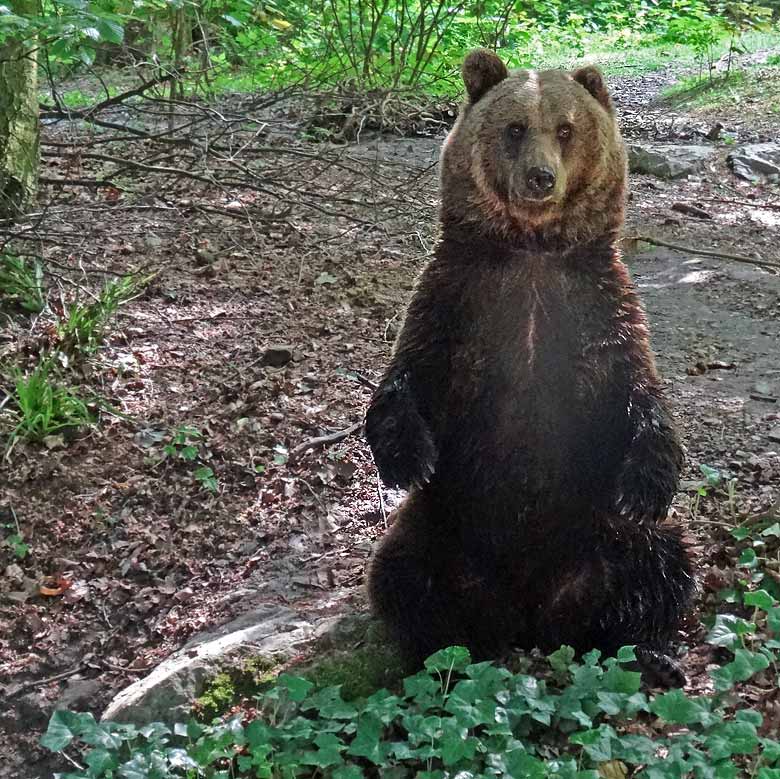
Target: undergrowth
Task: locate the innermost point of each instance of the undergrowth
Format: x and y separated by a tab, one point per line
21	283
44	406
757	88
464	720
82	326
457	720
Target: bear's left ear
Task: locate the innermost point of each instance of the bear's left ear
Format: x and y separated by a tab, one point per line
482	70
590	77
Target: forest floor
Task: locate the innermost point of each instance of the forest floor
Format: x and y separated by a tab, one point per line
271	301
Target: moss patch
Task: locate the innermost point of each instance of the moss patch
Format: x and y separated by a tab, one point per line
354	654
232	685
360	671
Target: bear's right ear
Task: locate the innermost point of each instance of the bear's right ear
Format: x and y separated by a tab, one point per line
590	77
482	70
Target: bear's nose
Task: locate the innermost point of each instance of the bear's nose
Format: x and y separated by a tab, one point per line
540	180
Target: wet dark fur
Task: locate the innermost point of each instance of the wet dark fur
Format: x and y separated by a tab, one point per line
523	409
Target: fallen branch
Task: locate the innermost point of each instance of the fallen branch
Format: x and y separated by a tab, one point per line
48	680
60	111
58	182
727	201
324	440
705	253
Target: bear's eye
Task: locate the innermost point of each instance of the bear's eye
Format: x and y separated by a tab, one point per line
515	131
564	132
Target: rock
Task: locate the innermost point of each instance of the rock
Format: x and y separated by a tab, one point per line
755	161
278	355
168	692
774	434
667	161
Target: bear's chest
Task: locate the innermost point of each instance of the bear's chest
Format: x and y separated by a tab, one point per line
523	334
527	382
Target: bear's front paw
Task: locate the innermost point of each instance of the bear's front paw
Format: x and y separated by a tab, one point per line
645	494
400	440
658	668
640	505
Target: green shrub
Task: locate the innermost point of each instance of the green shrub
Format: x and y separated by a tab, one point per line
21	283
83	326
458	719
43	406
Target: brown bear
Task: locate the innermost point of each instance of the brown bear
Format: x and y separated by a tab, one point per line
522	408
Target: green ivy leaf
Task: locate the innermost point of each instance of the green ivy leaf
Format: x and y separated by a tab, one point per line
748	559
727	630
328	754
618	680
677	708
748	715
731	738
64	726
760	599
453	658
348	772
421	686
367	742
597	743
101	761
770	750
297	688
455	743
520	764
627	654
744	665
560	660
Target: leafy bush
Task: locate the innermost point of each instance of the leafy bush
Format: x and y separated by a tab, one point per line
371	44
464	720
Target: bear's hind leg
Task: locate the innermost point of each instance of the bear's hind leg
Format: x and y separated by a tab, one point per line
420	586
633	589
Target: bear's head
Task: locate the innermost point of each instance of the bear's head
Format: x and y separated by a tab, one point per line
534	156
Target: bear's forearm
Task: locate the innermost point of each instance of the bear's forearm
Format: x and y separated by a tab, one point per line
649	477
397	432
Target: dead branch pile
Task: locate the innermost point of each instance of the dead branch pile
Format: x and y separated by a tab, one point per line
247	159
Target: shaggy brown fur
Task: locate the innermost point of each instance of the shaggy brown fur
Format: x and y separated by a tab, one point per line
522	406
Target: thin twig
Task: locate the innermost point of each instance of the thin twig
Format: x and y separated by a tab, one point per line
48	680
324	440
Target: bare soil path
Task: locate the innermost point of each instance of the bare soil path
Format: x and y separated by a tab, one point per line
253	333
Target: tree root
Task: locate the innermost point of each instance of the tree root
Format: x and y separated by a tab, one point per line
705	253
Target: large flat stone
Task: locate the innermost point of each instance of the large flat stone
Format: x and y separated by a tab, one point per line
168	692
755	161
667	161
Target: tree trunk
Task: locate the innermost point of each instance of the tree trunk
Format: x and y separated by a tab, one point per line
18	120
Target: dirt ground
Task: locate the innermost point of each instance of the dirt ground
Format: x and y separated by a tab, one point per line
144	555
